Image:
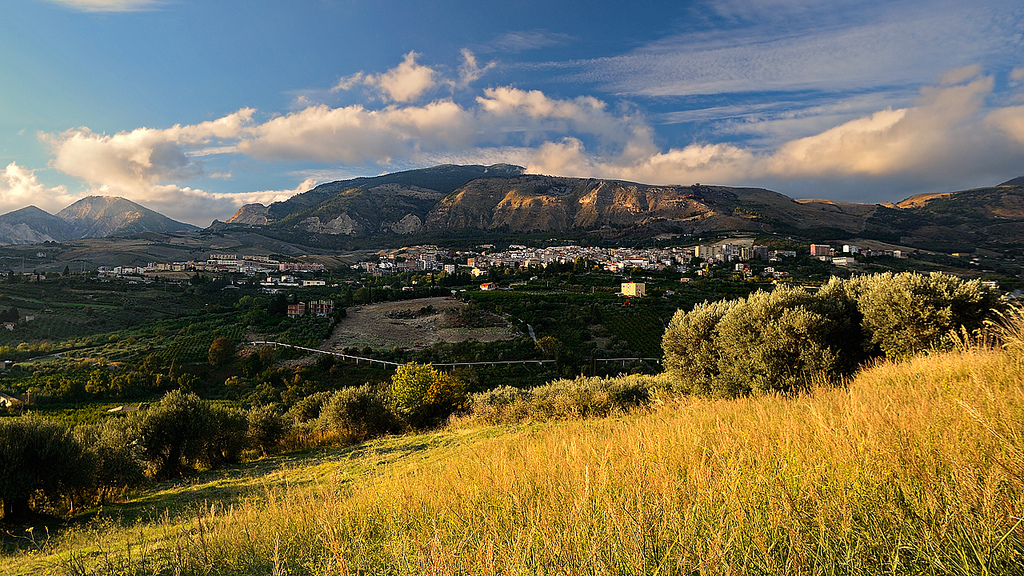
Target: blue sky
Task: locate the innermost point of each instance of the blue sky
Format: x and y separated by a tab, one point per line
196	108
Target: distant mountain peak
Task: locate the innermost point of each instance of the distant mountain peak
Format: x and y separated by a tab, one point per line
90	217
1018	181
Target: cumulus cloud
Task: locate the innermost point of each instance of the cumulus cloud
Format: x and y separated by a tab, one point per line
108	5
19	187
143	156
354	134
406	82
945	137
534	115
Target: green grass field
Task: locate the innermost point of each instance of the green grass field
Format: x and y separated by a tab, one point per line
914	468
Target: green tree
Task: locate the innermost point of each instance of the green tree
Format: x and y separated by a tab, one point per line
173	433
266	428
227	436
116	460
691	347
358	414
38	455
425	396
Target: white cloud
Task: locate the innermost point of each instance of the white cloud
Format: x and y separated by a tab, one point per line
407	81
200	207
108	5
19	187
403	83
470	71
143	156
354	134
349	82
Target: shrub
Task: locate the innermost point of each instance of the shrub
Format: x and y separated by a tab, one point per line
502	404
358	414
309	407
266	428
784	340
578	398
585	397
38	455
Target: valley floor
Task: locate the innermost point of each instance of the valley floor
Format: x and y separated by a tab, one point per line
914	468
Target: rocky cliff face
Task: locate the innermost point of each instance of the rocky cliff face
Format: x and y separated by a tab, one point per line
251	215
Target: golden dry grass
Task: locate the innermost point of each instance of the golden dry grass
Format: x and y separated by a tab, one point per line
914	468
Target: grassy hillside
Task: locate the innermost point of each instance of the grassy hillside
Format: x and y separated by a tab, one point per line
914	468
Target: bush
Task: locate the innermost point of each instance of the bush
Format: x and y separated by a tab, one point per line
266	428
502	404
582	397
787	339
425	396
585	397
909	313
309	407
359	414
39	456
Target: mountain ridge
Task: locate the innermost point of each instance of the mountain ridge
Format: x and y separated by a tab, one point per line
506	198
89	217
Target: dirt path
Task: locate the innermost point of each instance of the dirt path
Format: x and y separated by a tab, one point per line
390	324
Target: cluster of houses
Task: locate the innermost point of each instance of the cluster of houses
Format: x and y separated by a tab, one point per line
432	258
827	253
314	308
249	265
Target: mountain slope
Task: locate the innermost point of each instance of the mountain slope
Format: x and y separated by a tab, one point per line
440	202
30	225
101	216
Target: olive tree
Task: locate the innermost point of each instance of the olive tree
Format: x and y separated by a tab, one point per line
909	313
38	456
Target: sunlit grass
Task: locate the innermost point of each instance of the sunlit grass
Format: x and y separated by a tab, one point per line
914	468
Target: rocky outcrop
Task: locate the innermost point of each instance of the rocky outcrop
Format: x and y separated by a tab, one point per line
251	215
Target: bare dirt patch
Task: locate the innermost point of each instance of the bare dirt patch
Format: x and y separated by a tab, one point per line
405	324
